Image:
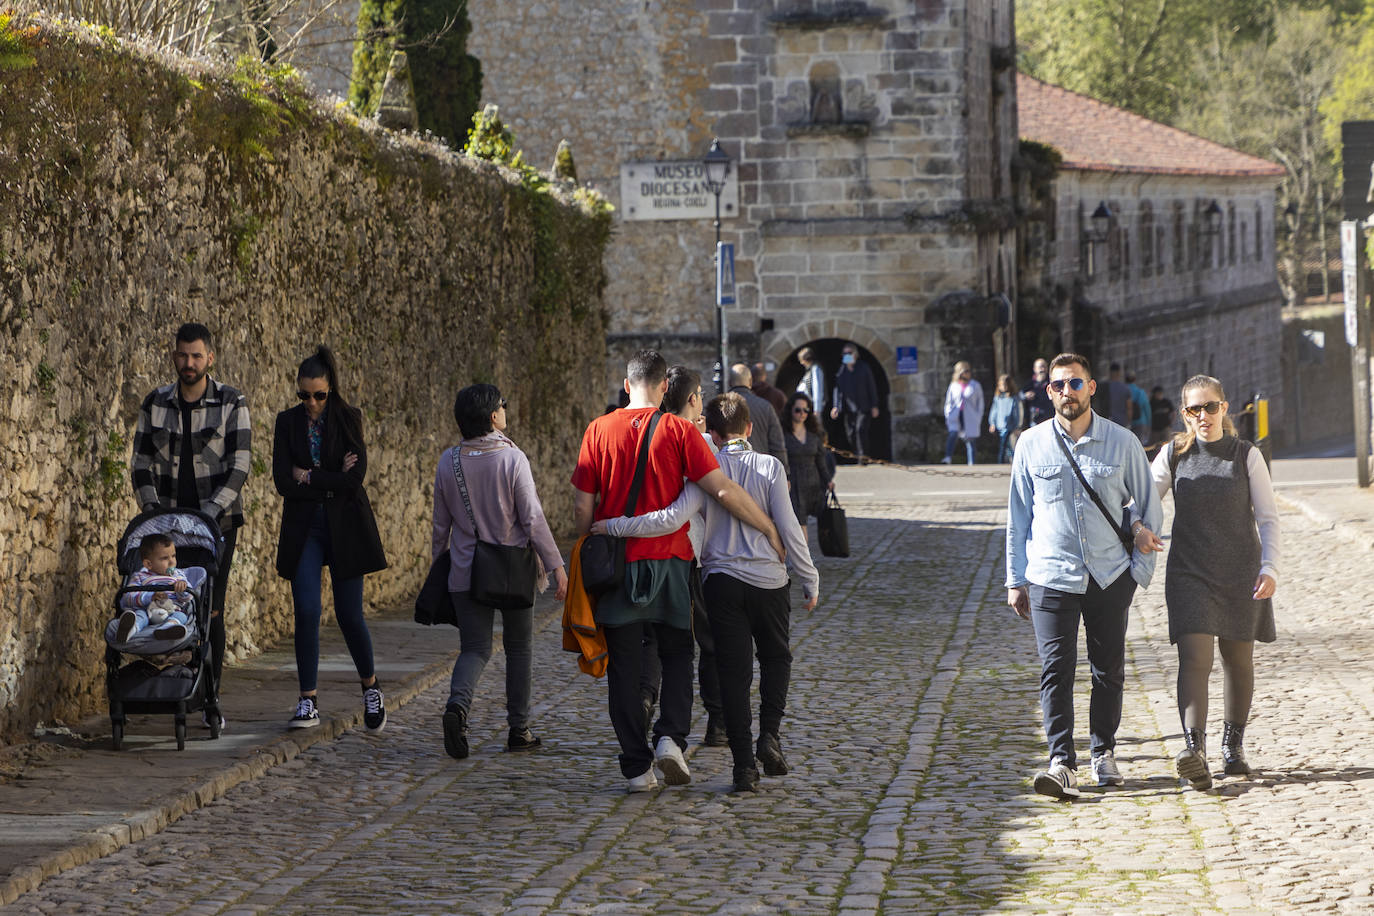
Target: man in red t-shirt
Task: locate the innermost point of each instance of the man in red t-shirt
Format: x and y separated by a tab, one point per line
655	592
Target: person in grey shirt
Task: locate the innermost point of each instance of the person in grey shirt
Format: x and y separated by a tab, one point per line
746	585
766	437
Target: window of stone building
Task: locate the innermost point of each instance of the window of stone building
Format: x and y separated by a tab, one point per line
1203	235
1230	233
1159	250
1147	238
827	98
1180	238
1088	243
1259	233
1116	238
1244	234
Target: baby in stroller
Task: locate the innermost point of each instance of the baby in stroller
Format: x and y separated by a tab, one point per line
164	605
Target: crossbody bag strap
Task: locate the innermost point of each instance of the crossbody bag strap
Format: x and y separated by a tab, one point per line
1126	540
463	488
641	466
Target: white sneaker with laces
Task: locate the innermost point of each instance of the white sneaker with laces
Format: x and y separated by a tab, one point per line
644	782
1058	781
307	714
668	758
1105	772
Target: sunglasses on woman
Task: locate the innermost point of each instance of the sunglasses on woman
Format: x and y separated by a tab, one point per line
317	395
801	410
1074	384
1195	410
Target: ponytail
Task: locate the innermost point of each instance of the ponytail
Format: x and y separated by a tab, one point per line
321	364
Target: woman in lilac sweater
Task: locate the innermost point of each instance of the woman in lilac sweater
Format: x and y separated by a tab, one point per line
506	507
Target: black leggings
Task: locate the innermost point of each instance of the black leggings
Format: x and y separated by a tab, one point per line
1194	669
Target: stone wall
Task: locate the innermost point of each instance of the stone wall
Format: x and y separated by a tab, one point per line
139	192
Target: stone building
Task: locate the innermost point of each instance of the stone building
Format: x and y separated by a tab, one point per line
871	147
1150	247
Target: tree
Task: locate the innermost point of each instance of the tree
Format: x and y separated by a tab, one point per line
434	35
1352	92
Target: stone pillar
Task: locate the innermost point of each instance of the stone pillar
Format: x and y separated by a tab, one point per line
397	108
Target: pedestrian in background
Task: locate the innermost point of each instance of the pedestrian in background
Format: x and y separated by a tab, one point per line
1140	410
812	382
1161	414
1222	571
774	396
766	437
856	400
963	411
1117	398
497	493
1035	396
319	463
811	474
1004	417
1067	561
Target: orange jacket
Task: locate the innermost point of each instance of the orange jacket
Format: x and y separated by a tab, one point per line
581	634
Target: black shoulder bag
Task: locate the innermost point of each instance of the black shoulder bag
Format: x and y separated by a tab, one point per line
1122	528
602	558
503	576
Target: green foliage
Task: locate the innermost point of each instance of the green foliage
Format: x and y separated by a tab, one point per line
269	100
563	166
17	44
46	376
111	476
1352	92
243	233
434	35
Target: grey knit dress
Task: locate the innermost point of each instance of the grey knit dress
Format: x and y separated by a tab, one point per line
1214	557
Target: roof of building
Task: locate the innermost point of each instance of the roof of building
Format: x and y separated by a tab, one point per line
1095	136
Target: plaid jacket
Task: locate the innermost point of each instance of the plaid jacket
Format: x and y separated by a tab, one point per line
220	426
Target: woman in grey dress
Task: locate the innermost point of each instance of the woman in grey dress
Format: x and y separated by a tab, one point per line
810	473
1222	570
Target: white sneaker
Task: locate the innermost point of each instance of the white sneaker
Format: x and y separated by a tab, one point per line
307	714
668	758
1058	781
644	782
1104	769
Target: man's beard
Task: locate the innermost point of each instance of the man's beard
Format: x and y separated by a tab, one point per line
193	380
1072	410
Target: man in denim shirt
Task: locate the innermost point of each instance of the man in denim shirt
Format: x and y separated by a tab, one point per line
1066	561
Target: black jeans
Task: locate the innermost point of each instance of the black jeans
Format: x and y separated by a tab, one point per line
625	659
231	539
856	430
708	681
1104	612
746	619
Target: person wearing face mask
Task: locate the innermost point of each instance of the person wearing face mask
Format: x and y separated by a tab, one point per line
1222	571
1069	561
855	400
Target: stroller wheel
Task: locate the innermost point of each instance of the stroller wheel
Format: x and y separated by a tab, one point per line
116	733
181	734
213	715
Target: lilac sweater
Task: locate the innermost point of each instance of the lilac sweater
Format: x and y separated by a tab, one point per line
501	489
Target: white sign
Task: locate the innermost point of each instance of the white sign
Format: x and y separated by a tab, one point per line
1350	279
725	273
674	190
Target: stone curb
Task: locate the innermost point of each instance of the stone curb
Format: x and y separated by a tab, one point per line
142	824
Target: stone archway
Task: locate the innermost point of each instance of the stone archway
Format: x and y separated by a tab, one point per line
827	351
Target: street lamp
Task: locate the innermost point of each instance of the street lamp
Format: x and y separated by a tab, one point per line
1101	222
716	165
1213	217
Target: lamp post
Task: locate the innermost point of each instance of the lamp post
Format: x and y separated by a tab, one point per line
716	165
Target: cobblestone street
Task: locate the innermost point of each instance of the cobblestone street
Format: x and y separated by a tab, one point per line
912	730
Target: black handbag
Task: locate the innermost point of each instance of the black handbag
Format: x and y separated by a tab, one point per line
503	576
832	529
433	604
602	557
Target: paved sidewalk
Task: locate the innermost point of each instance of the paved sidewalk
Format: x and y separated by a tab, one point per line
68	798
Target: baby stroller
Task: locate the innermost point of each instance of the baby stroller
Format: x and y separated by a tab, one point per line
166	675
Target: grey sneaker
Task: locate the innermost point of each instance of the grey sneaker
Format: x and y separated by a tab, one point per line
1104	769
1058	781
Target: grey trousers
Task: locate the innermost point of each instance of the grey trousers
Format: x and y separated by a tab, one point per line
475	622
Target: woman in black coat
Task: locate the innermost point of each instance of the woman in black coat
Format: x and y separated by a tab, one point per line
318	465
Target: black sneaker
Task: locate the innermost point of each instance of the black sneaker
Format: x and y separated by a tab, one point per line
171	631
522	739
456	731
374	708
715	733
770	755
746	779
307	714
126	626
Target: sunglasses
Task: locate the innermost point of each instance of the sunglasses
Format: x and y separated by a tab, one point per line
1074	384
800	410
1195	410
318	395
503	404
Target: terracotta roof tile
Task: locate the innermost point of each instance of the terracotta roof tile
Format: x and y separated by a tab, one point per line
1095	136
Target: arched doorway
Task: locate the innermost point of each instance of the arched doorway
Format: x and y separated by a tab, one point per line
828	351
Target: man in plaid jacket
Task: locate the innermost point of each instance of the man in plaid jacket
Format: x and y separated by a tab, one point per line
192	450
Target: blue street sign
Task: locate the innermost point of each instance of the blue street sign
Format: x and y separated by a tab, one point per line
725	273
906	361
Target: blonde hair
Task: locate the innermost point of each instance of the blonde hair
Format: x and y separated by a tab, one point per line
1184	440
959	369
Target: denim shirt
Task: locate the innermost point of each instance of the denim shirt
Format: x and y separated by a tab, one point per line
1056	535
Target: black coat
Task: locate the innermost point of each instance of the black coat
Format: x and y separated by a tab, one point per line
357	547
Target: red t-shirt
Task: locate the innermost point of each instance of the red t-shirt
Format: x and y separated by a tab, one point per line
606	466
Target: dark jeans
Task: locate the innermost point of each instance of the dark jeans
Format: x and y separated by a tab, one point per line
348	608
625	661
1104	613
856	430
475	623
231	540
746	620
708	681
1004	447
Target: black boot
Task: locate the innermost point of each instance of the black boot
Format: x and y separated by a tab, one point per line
1191	762
456	731
1232	751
